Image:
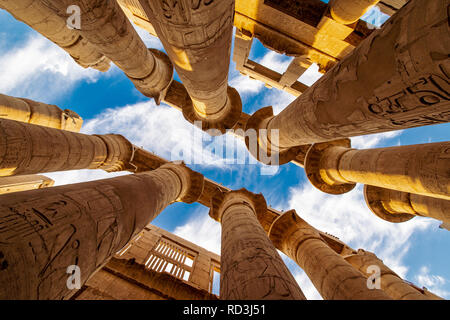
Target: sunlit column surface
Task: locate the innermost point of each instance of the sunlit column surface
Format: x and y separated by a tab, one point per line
333	277
251	268
43	232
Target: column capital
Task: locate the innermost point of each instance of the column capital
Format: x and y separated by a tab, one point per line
226	118
192	182
327	155
119	152
222	200
282	231
377	199
258	121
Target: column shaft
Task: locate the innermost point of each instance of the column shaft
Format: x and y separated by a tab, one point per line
29	149
396	206
42	19
106	27
251	268
43	232
24	183
197	39
47	115
333	277
395	79
422	169
390	282
350	11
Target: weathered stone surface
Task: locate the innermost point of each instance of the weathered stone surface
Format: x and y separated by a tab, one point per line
333	277
47	115
251	268
395	79
197	37
390	282
43	232
42	19
422	169
396	206
28	149
108	29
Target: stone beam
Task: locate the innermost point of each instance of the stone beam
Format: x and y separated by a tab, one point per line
395	79
422	169
389	281
350	11
197	39
47	115
295	69
23	183
106	27
333	277
251	268
46	231
42	19
396	206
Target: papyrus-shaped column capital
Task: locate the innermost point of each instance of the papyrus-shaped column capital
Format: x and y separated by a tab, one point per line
192	182
259	140
396	206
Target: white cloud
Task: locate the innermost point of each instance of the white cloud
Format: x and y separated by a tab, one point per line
202	230
434	283
40	69
275	61
372	140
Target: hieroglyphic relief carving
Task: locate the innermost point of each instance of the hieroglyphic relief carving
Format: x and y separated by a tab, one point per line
251	268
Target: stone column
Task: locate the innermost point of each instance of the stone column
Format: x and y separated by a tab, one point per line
197	37
396	206
350	11
333	277
106	27
43	232
251	268
47	115
390	282
42	19
421	169
395	79
28	149
24	183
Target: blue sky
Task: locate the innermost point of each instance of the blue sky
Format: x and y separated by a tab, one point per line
33	67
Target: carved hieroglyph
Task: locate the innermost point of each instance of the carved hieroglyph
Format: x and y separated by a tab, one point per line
43	232
42	19
197	37
421	169
333	277
106	27
396	78
251	268
43	114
